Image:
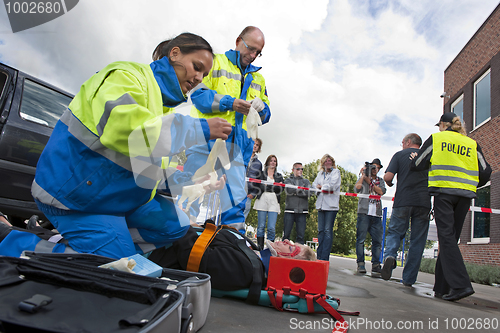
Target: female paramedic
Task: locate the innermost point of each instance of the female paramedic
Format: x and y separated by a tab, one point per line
96	180
456	168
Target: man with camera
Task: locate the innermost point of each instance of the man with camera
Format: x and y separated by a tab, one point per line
411	202
369	216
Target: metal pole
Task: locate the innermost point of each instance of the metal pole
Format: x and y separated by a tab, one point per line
218	207
208	206
384	220
403	253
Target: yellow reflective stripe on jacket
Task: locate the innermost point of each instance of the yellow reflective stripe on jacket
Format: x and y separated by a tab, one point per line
454	161
133	96
137	163
127	116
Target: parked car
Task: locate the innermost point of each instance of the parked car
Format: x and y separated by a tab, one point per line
29	110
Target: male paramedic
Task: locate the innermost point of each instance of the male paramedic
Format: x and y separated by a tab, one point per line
231	88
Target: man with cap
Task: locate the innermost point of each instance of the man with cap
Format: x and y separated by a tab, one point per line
457	167
369	216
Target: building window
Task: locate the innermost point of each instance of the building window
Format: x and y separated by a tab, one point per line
480	226
482	99
458	107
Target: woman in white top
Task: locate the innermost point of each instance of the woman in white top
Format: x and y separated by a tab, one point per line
267	204
327	204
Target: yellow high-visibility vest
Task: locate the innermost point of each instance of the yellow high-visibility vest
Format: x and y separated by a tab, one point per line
226	78
454	161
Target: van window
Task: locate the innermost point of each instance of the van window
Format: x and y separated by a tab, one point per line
42	105
3	80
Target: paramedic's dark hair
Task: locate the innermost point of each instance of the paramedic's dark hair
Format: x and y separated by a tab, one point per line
186	42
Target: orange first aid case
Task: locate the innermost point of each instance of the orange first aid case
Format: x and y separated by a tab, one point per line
298	274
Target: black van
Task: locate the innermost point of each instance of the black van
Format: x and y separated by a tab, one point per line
29	110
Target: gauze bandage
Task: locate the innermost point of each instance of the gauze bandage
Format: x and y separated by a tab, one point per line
197	191
253	122
124	265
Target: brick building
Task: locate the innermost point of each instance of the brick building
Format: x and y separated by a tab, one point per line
472	90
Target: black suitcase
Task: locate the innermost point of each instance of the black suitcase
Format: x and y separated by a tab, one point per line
195	287
65	295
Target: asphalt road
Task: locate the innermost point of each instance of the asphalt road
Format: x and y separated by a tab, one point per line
384	306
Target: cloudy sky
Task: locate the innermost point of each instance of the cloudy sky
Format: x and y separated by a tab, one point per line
345	77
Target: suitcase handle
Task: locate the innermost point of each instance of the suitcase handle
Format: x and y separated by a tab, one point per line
33	304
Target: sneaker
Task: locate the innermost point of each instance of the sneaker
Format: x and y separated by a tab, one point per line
376	271
361	268
389	264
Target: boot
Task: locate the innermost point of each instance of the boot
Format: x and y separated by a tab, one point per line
260	242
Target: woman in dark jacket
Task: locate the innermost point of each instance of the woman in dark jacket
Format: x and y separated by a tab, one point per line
267	204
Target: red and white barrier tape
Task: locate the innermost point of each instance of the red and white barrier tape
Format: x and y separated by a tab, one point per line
368	196
484	210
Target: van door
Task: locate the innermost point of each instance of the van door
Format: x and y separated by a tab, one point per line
34	111
8	78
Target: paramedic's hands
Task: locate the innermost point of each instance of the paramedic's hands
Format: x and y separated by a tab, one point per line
219	128
202	179
413	155
257	104
219	185
241	106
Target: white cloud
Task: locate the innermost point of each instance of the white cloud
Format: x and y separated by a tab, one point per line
399	37
345	77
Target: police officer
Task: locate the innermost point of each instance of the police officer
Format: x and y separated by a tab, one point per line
457	167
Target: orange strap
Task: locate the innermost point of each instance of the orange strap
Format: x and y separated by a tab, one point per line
200	246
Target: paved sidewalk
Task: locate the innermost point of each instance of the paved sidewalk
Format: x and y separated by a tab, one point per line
384	306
